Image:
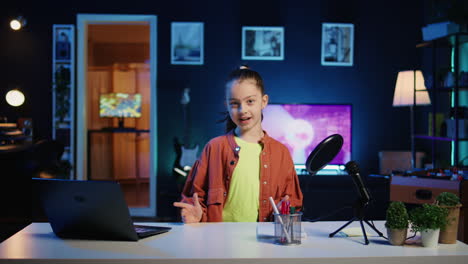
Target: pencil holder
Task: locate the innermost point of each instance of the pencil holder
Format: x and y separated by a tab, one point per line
288	228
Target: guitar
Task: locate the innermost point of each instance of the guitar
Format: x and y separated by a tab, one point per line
186	152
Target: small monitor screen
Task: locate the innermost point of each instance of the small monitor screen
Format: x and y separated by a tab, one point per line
301	127
120	105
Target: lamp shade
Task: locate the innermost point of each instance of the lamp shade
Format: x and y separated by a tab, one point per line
407	83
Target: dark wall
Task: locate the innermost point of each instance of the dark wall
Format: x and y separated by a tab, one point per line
385	38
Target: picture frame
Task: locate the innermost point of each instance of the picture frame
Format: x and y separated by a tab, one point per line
187	47
337	44
63	38
263	43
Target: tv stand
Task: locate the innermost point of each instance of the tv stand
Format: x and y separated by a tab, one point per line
120	129
121	122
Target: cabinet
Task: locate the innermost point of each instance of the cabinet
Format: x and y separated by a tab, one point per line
445	83
63	83
121	155
420	190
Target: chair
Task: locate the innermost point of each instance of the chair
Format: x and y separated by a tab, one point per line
47	161
15	189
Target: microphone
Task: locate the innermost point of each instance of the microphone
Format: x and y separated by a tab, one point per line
352	169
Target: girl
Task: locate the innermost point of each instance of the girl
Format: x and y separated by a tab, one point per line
238	172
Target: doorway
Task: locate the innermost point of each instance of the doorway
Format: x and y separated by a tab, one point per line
117	105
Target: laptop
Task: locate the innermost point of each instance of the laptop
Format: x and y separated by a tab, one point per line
89	210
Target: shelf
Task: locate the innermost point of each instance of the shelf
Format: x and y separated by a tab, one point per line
439	138
63	61
442	54
63	68
445	41
119	130
443	89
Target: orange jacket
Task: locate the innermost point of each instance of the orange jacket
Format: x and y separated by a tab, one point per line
211	175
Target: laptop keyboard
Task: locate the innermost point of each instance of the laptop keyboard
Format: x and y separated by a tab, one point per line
146	231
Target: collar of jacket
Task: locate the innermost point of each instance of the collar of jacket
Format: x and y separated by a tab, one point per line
236	148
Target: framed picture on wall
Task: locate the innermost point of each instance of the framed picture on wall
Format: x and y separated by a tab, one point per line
263	43
337	44
187	43
63	38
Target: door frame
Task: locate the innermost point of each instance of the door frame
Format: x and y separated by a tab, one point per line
83	20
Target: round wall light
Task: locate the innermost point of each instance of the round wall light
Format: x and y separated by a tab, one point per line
17	23
15	97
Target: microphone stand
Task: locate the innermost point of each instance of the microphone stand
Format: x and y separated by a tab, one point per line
359	208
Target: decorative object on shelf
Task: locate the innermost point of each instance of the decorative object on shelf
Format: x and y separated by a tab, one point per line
263	43
62	93
337	44
460	114
429	81
428	220
449	80
63	44
451	202
439	124
437	30
187	43
397	223
462	128
446	17
410	91
463	79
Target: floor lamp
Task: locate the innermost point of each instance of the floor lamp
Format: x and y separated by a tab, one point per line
411	91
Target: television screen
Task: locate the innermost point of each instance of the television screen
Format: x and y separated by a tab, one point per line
301	127
120	105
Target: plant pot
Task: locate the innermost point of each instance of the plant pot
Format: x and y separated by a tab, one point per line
397	237
448	235
430	237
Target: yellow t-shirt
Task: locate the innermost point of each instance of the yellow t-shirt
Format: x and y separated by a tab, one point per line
242	202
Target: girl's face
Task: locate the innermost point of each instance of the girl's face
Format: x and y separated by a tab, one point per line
245	103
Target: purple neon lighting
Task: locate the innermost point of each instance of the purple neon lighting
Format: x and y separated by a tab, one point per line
302	126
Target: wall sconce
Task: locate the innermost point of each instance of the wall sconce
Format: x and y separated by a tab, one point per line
18	23
15	97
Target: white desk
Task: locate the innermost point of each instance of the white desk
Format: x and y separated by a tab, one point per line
222	243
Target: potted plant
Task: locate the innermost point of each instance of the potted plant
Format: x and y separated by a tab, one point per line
397	223
428	220
62	94
451	202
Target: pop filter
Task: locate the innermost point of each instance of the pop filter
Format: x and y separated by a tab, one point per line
324	153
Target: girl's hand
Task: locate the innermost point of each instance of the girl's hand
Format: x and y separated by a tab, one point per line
191	212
